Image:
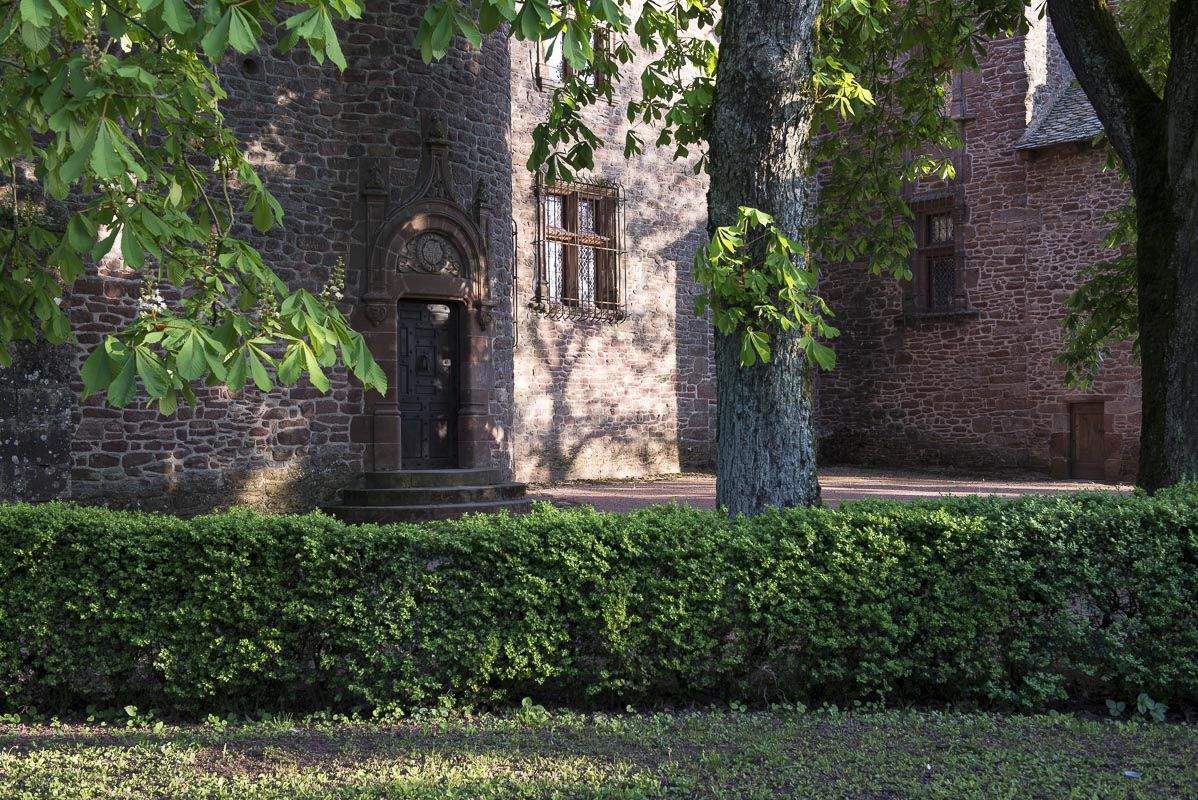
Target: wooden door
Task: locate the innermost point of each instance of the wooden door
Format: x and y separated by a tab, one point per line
427	353
1086	441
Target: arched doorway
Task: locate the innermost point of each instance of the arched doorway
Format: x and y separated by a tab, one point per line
426	317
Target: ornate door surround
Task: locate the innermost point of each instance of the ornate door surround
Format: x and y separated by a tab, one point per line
426	247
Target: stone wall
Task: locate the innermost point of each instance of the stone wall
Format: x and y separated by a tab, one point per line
36	409
596	399
308	129
586	399
981	389
1069	193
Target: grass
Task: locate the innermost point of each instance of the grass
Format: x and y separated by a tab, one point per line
534	754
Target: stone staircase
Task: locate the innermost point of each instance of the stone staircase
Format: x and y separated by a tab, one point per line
414	495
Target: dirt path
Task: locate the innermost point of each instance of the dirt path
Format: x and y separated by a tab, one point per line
839	484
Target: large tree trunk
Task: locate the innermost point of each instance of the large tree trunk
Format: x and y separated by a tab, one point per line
1157	290
1181	407
1181	103
1157	141
760	147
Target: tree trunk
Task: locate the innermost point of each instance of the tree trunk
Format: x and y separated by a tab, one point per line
1181	103
760	147
1157	291
1157	141
1181	406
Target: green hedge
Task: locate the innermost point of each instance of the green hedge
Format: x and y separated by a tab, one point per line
1016	604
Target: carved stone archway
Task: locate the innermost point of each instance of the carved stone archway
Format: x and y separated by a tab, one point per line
426	247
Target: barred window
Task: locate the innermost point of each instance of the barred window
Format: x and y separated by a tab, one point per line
580	269
937	282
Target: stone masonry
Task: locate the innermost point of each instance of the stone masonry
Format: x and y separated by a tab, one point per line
309	129
601	400
552	398
979	387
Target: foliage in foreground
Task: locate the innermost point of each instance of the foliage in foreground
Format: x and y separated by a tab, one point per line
1103	312
1017	604
113	141
780	754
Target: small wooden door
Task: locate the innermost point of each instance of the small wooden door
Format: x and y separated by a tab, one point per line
1086	441
427	353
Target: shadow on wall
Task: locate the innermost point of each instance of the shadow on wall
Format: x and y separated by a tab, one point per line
638	398
582	429
694	382
36	418
269	452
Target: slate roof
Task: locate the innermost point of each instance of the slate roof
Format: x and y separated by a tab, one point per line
1070	118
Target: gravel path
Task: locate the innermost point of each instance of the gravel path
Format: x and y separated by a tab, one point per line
839	484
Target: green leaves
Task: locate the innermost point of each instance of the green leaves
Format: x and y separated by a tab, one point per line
190	358
163	353
1040	601
754	283
444	20
38	13
176	16
878	85
1102	314
119	112
315	27
111	154
97	372
217	38
243	30
37	18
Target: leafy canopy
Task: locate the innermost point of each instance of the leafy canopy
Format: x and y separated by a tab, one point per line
113	140
881	71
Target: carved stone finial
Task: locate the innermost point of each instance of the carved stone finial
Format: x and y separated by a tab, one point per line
486	312
433	179
376	312
436	130
374	176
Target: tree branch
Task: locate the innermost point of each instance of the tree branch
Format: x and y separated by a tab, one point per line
138	23
16	230
1131	113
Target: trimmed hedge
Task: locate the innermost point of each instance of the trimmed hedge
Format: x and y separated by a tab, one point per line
1017	604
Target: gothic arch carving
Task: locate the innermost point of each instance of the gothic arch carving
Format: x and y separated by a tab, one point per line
429	253
428	246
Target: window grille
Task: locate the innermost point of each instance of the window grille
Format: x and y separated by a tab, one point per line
937	262
942	282
580	251
940	228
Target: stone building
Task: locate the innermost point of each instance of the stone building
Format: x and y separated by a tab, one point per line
957	367
547	332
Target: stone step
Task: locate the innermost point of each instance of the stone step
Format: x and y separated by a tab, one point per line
432	495
384	514
412	478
